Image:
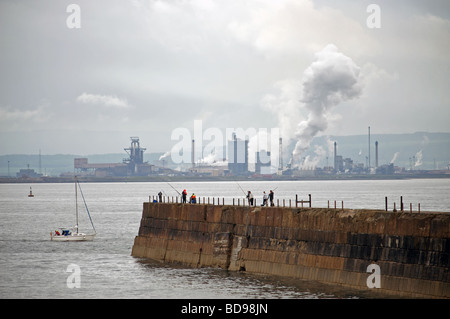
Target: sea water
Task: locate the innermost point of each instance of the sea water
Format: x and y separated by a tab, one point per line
32	266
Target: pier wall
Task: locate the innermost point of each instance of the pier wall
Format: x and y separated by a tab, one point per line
397	253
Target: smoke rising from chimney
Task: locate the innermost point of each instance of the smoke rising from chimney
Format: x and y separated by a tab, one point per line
165	155
331	79
395	157
418	157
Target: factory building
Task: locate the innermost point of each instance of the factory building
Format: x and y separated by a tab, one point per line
386	169
209	170
135	152
133	165
238	156
28	173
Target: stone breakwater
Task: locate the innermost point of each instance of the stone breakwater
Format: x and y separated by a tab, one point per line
397	253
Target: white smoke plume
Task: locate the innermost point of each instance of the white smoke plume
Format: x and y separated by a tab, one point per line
165	155
395	157
418	157
212	160
331	79
311	162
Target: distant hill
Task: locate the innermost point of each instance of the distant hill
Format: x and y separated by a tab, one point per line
421	150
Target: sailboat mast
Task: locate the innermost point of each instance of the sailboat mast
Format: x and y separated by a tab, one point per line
76	205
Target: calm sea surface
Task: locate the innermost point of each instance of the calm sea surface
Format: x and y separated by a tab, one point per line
31	266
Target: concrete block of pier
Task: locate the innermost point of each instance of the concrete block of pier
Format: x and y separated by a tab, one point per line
338	247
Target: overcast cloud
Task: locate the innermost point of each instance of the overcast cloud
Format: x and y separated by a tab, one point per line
143	68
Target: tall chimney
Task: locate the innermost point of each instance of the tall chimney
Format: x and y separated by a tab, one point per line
40	163
376	153
193	154
369	147
280	154
335	155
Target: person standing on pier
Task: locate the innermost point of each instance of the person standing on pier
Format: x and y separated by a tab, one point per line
264	199
271	197
250	198
183	196
160	196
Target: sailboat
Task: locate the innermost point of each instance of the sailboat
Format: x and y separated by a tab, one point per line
72	234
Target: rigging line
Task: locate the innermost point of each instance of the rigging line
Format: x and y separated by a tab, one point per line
85	205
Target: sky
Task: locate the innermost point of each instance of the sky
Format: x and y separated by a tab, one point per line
84	80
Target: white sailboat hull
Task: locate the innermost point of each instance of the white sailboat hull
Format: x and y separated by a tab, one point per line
66	234
72	237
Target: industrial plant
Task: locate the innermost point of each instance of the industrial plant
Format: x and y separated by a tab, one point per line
237	163
238	158
133	165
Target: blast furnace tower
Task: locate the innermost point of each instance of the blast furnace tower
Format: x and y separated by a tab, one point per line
136	154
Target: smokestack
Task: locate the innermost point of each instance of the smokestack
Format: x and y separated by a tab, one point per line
376	153
335	154
280	155
369	147
40	163
193	153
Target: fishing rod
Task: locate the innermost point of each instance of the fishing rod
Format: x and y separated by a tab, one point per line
164	193
241	188
174	188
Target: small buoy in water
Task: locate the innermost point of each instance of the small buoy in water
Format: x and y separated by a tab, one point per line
31	193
